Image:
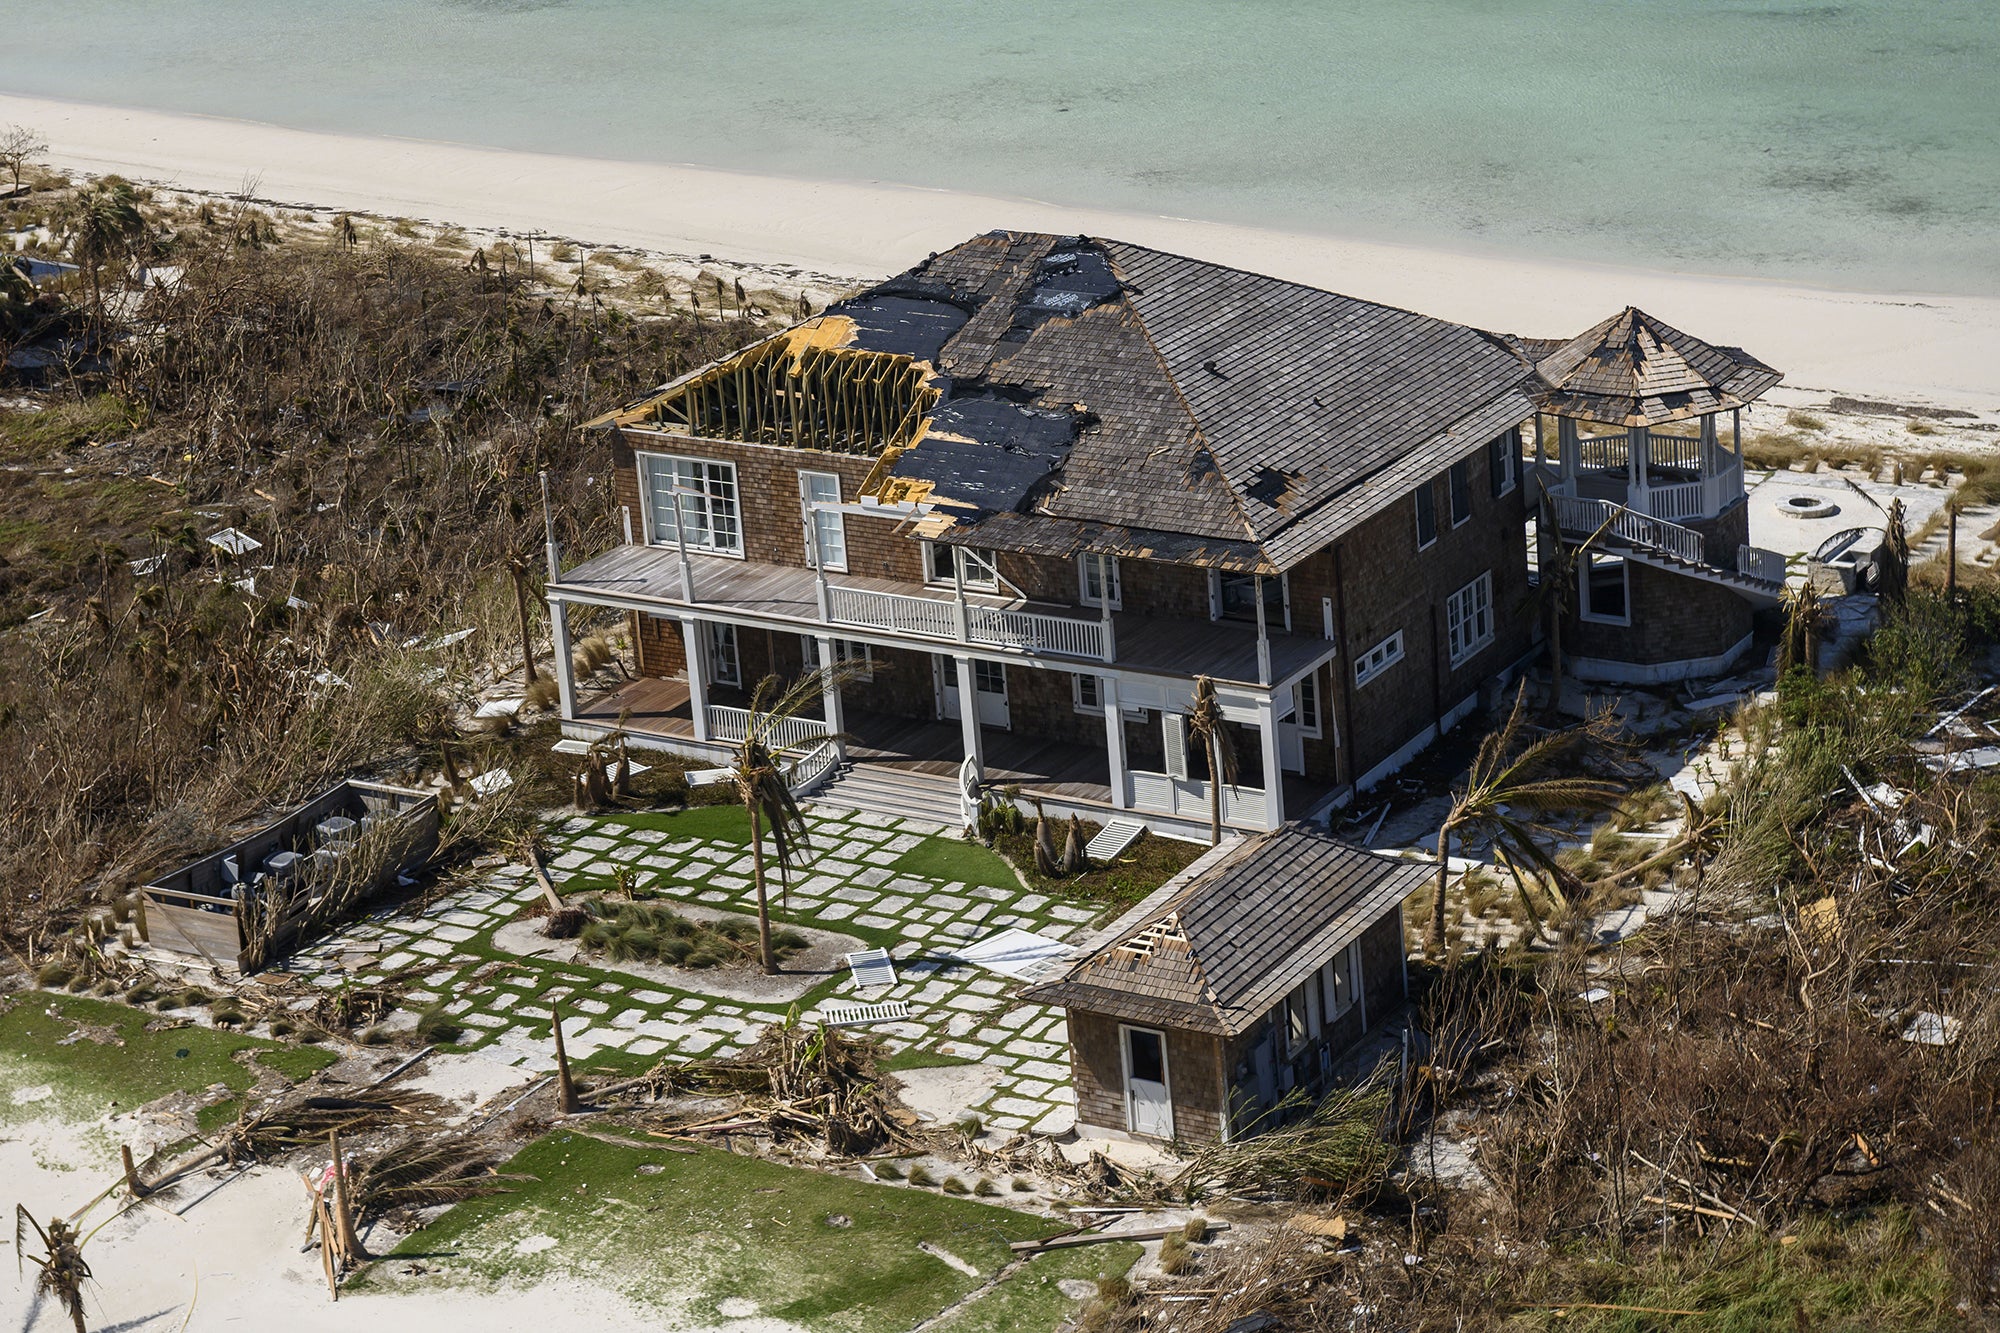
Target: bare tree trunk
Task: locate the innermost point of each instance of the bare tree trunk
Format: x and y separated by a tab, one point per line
138	1191
766	954
527	639
566	1100
1214	791
343	1208
1436	943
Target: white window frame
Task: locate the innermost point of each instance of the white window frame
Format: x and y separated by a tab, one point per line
1378	659
1583	609
1125	1069
1095	703
1086	574
979	570
1429	488
1452	475
725	654
1298	1019
1280	619
1333	1004
848	651
1308	685
1506	451
821	523
707	476
1474	604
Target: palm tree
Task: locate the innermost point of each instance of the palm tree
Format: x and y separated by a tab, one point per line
100	225
1206	726
1805	626
1514	781
63	1268
759	775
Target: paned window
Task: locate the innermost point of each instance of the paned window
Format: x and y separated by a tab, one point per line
828	527
1468	615
1605	595
703	493
1378	659
1088	584
1460	484
1427	515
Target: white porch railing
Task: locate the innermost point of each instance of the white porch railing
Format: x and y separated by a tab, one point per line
1586	516
936	618
733	724
813	767
1188	799
1675	451
927	616
1611	452
1036	632
1758	563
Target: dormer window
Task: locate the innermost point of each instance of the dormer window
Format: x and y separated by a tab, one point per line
978	568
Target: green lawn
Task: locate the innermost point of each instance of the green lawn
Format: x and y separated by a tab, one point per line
954	859
715	823
711	1234
130	1067
1030	1301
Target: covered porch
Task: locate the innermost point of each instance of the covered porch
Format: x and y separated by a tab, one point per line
1688	473
1065	777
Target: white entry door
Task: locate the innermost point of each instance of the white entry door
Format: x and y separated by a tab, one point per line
989	681
1149	1107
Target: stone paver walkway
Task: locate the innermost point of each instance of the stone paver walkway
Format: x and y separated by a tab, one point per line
851	882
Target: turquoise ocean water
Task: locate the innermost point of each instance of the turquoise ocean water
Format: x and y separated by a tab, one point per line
1851	144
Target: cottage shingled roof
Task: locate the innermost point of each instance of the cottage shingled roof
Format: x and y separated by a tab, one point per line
1217	955
1634	370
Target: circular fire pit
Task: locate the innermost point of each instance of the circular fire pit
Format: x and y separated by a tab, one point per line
1807	506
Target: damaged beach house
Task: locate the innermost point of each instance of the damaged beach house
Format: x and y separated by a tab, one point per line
1038	487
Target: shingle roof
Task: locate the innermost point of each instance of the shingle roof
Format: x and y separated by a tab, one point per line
1217	955
1633	370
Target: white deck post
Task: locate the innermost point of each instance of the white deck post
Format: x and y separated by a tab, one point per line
565	669
1114	741
1108	649
829	695
697	676
961	618
1638	443
968	713
1274	773
1568	453
1263	634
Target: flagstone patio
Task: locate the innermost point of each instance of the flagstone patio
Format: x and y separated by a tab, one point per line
849	881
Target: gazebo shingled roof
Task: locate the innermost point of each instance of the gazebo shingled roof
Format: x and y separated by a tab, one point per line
1633	370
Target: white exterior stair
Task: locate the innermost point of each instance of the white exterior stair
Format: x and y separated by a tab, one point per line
879	790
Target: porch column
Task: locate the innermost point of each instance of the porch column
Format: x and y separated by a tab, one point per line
1638	442
697	676
1274	773
1109	650
1263	634
1114	741
1567	452
829	695
565	669
968	713
963	618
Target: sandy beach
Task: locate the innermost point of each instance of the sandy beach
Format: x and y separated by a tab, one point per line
1929	349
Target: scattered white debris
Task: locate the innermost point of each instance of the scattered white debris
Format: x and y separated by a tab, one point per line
1595	995
447	640
709	777
570	745
298	603
492	781
872	968
500	708
328	678
1929	1029
247	584
1016	953
145	565
235	541
839	1015
941	1253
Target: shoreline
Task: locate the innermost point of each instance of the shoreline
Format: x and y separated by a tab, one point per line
1924	349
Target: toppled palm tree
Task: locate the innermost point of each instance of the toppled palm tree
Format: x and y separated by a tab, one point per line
762	782
1515	781
63	1268
1046	861
1207	728
101	225
1896	572
1805	626
1074	861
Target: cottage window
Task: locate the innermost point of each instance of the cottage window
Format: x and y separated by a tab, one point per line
724	666
1427	515
826	528
1468	617
704	494
1090	590
1379	658
1085	690
1606	595
1298	1019
1305	705
1460	479
849	652
1340	980
977	568
1503	455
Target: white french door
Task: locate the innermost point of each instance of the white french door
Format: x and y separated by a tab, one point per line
989	682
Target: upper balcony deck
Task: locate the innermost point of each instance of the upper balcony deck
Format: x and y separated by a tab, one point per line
913	615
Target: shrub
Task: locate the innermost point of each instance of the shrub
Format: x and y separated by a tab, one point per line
920	1175
435	1027
953	1185
141	993
1022	1185
888	1171
55	975
1175	1256
226	1013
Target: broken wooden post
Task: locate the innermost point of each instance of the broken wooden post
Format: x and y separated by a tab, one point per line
542	878
566	1100
520	568
343	1210
132	1183
326	1246
1951	552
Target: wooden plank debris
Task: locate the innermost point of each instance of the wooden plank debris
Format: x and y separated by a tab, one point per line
841	1015
872	968
1105	1237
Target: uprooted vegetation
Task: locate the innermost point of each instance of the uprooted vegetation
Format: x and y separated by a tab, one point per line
376	420
655	933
